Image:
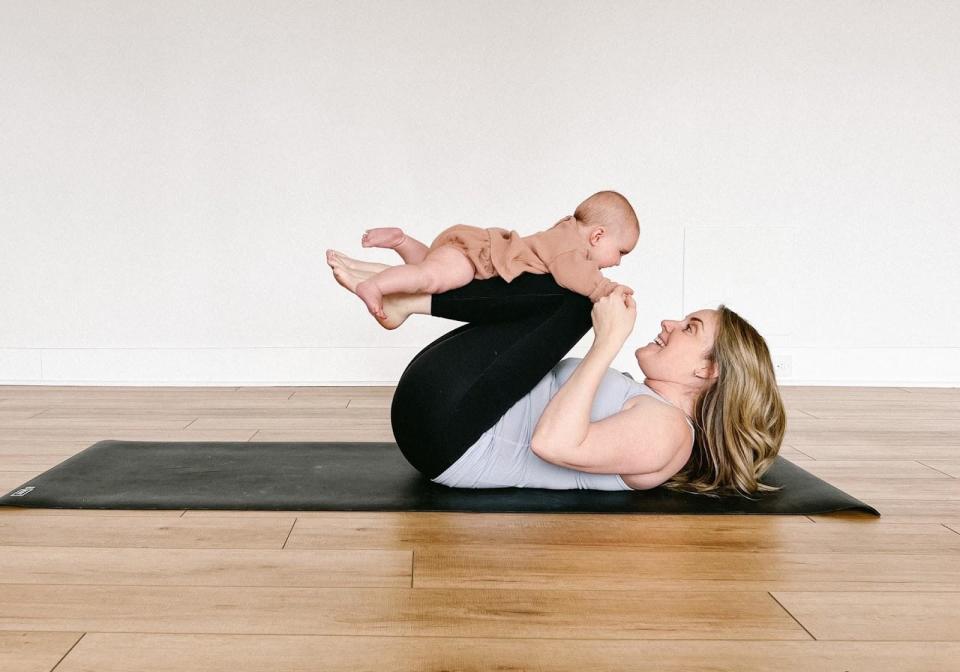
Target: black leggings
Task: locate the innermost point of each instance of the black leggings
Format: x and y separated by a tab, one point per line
460	385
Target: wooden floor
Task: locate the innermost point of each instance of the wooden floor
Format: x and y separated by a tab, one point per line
211	591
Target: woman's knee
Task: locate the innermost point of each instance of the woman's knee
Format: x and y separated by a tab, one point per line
418	428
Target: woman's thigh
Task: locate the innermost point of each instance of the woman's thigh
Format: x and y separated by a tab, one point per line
494	300
461	384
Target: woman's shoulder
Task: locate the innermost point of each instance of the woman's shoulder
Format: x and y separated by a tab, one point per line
675	433
652	401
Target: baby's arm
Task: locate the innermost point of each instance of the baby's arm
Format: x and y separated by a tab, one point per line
575	272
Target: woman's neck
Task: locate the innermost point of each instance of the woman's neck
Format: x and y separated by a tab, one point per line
671	393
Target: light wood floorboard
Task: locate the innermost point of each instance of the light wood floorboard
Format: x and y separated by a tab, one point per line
123	590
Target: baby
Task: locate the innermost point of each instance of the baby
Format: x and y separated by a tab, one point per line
601	230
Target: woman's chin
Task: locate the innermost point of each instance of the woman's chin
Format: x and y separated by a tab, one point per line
651	346
643	352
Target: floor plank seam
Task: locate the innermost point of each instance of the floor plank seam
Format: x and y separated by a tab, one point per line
496	588
82	635
548	639
934	468
800	451
792	616
288	534
446	548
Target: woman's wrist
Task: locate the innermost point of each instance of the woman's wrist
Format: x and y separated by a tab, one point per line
606	347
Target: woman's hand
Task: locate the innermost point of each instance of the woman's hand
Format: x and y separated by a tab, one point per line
614	316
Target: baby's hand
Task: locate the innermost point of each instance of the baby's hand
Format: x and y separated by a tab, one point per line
626	289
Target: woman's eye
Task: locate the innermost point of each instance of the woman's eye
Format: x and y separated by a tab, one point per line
687	327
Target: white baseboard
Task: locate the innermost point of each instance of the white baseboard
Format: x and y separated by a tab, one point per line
158	367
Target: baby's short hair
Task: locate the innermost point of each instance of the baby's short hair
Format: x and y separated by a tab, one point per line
610	209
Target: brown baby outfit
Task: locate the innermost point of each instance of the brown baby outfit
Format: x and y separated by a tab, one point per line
560	251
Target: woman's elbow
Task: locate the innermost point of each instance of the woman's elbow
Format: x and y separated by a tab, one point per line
538	446
545	449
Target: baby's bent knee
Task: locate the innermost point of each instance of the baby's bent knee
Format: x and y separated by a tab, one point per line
436	278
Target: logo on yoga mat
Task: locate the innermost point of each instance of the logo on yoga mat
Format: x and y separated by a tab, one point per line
22	491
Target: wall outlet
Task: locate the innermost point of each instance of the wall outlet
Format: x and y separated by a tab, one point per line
783	366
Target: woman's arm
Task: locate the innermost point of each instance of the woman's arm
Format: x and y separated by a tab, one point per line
566	418
640	440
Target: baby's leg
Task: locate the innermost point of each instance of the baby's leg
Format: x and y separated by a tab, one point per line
444	268
411	250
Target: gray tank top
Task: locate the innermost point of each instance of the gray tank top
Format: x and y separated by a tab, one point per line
502	458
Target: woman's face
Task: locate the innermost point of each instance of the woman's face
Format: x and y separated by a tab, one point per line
685	343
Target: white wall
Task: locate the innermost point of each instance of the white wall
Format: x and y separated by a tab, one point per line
171	174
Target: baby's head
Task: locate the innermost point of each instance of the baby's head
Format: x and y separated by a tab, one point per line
609	225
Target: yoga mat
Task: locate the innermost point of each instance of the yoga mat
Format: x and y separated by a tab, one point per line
354	476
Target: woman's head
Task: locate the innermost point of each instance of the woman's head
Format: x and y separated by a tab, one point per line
684	358
720	360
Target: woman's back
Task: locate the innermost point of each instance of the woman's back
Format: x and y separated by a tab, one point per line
502	457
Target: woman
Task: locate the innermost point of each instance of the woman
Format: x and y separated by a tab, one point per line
494	404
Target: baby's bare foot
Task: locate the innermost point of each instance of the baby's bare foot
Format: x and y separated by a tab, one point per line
346	278
370	294
395	306
389	236
356	264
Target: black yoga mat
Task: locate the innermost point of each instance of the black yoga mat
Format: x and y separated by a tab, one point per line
355	476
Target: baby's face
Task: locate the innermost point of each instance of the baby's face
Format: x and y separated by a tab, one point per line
611	248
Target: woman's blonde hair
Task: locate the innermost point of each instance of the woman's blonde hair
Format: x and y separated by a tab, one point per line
740	417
